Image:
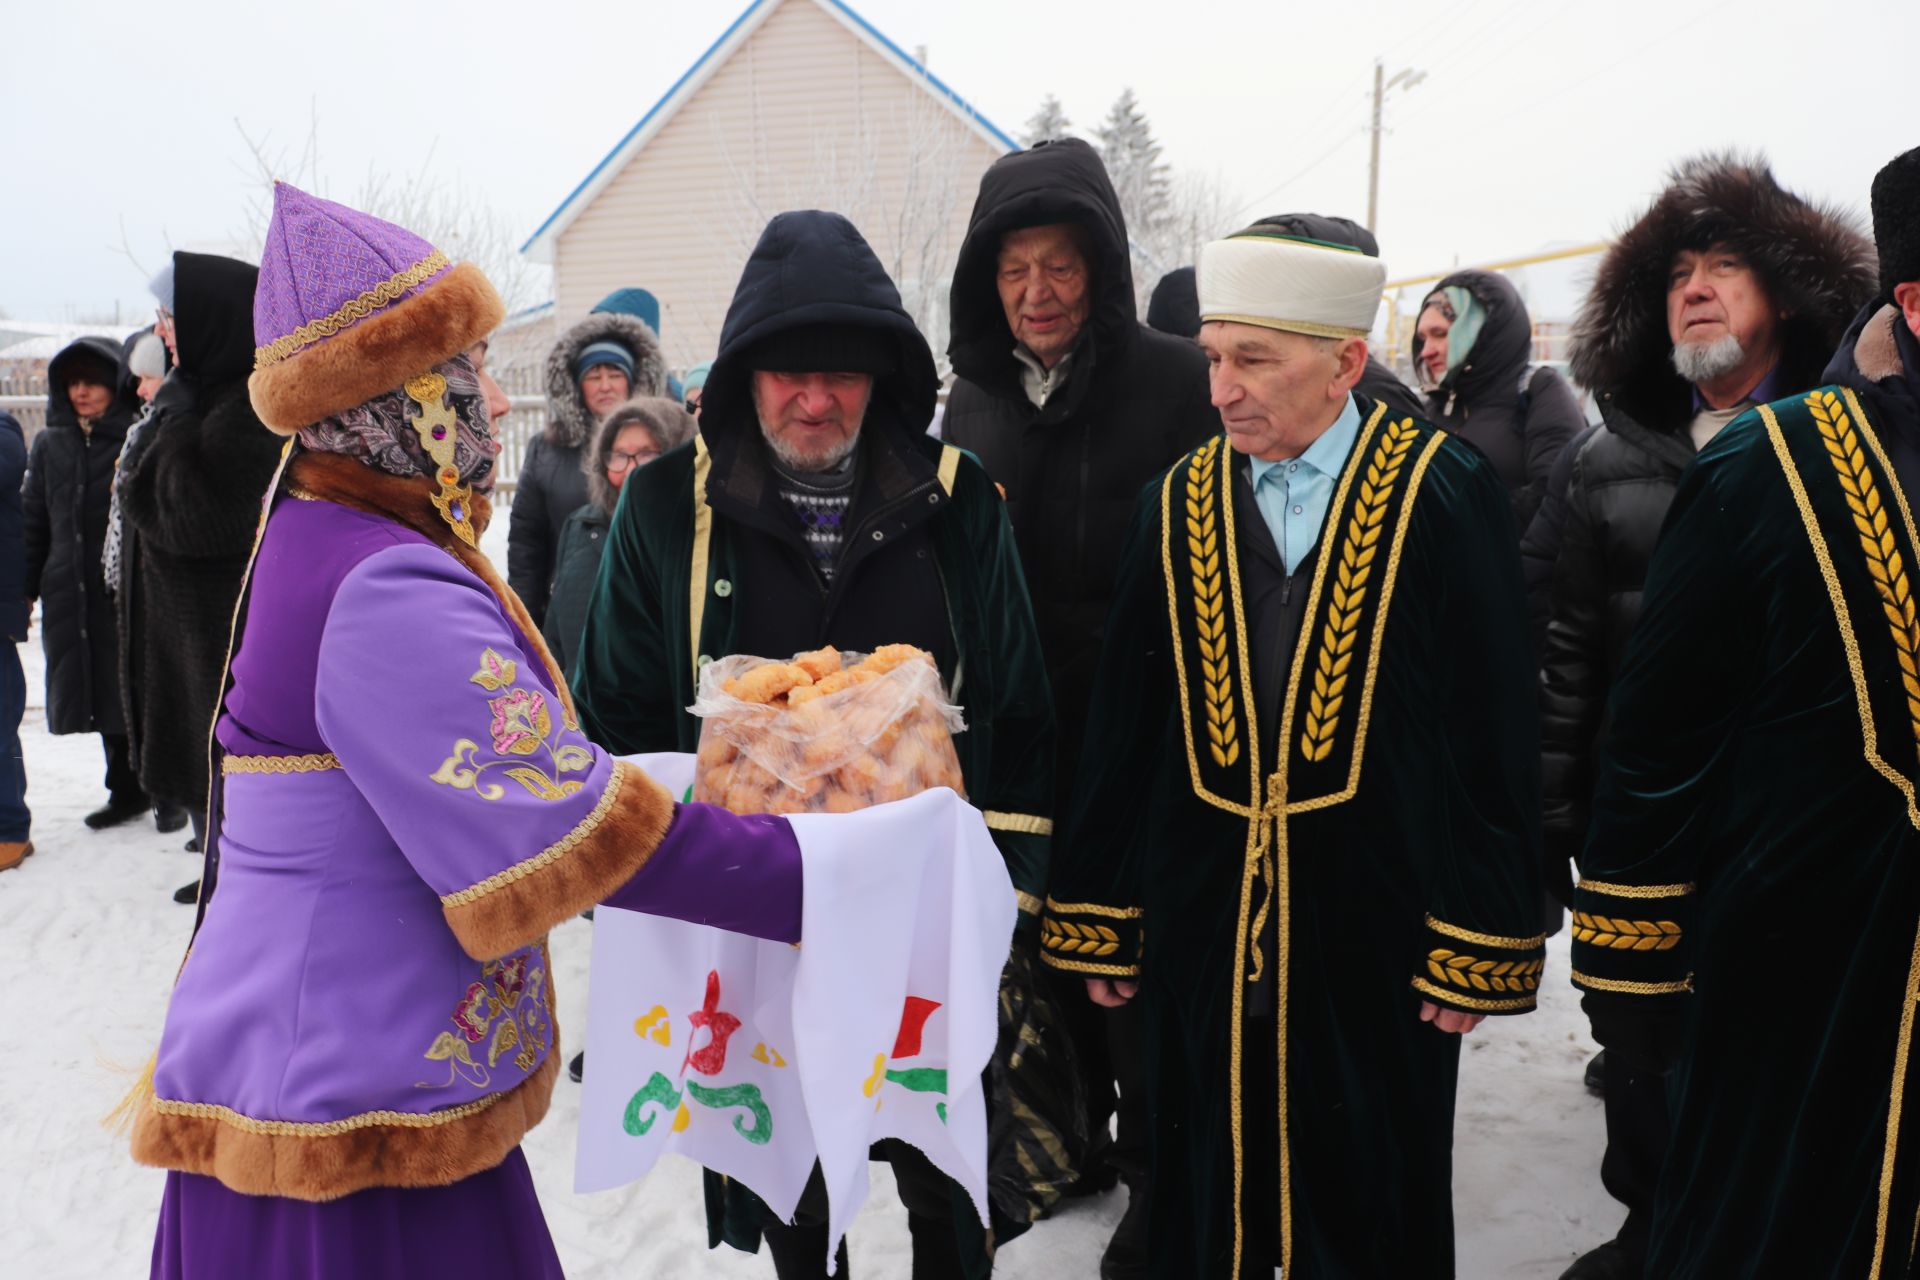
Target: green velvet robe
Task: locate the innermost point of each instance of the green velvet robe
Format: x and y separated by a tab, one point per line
1754	857
1388	827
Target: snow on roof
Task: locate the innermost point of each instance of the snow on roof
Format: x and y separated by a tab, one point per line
539	245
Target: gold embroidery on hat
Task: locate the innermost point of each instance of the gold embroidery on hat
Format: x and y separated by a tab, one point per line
349	312
439	427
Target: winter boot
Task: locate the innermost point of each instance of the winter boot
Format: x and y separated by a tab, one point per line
169	818
13	853
116	810
187	894
1597	1074
1126	1255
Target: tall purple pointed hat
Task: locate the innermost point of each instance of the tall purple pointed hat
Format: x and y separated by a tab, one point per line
349	307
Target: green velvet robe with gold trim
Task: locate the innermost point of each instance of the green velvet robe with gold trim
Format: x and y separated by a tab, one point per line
1385	835
1755	859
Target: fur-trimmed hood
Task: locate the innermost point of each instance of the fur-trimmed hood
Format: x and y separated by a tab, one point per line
569	423
1815	260
663	418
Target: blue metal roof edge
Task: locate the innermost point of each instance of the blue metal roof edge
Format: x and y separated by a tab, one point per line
933	80
652	111
930	78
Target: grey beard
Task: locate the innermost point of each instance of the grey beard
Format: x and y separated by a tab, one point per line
810	464
1700	362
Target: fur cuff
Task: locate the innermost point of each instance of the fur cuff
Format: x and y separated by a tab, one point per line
378	354
325	1162
607	849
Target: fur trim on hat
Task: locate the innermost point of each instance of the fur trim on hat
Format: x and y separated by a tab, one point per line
665	421
1813	258
378	354
569	422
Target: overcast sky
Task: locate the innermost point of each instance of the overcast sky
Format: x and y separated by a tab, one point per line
1539	122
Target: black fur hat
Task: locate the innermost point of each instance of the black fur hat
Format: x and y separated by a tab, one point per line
1896	219
1816	262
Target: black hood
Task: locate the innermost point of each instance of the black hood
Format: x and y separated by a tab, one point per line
1816	263
1059	181
1504	347
1880	356
213	313
104	352
1175	305
813	268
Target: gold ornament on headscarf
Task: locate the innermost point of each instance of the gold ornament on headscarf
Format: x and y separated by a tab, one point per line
439	428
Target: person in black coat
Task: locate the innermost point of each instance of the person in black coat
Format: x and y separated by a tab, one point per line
1722	229
190	505
90	404
1073	406
1473	349
595	367
15	820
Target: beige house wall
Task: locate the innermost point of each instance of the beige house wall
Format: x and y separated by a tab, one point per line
804	114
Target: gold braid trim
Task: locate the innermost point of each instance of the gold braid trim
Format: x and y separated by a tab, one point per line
1876	540
1023	823
1461	970
1638	890
321	1129
553	853
1485	939
1474	1002
280	764
1625	935
1095	909
1632	988
352	311
1027	903
1349	594
1209	608
1078	939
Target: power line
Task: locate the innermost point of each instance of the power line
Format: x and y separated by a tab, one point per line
1317	161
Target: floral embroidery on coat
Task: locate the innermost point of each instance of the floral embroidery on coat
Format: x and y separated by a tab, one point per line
504	1008
521	726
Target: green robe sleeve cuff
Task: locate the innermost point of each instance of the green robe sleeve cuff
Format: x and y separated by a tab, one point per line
1479	972
1631	939
1093	939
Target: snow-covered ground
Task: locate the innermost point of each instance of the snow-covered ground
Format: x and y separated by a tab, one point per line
94	936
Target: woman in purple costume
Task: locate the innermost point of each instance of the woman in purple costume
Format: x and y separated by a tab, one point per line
363	1028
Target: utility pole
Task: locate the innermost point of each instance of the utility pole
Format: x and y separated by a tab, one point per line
1404	79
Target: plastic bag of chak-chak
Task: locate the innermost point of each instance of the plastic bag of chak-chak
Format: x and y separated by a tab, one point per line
827	732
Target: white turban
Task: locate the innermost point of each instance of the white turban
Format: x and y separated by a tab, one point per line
1283	282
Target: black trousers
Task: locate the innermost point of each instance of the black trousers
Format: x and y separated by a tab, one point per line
122	782
1638	1132
799	1248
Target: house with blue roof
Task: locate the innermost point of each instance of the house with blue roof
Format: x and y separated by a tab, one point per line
798	104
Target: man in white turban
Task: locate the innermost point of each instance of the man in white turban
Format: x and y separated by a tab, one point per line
1308	842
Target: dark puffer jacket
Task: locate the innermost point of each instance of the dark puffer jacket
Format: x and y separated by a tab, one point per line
1480	398
1819	268
190	505
552	484
69	488
13	530
1135	401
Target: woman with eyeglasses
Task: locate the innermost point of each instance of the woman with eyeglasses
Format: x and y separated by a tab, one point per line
631	436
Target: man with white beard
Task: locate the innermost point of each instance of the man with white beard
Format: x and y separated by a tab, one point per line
1728	292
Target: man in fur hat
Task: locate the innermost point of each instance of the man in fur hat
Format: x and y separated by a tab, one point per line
1325	831
1727	292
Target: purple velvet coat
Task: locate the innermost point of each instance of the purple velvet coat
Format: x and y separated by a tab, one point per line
408	807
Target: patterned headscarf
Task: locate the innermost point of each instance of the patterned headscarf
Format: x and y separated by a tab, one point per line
381	432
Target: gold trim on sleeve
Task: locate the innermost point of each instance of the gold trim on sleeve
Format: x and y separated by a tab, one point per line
1632	988
1028	904
1024	823
553	853
1485	939
1638	890
1618	934
1473	1002
1454	968
318	763
1091	970
1078	939
1094	909
349	312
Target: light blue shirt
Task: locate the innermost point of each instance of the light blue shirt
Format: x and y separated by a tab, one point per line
1293	494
